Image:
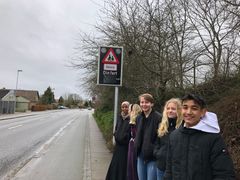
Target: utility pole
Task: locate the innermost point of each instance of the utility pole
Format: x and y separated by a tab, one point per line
15	91
18	71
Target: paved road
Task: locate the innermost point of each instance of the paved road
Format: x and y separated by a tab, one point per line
44	146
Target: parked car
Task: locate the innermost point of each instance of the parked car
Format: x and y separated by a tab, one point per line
62	107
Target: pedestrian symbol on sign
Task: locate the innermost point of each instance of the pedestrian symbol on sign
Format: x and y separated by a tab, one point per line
110	57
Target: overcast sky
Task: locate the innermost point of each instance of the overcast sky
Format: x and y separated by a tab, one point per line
38	37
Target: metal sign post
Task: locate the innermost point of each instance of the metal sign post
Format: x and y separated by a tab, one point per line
115	111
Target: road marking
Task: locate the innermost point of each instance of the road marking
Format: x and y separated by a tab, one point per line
46	144
15	127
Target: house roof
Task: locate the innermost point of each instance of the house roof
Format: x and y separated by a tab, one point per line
31	95
3	92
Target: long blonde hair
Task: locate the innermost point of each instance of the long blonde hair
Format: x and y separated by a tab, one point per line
163	125
134	110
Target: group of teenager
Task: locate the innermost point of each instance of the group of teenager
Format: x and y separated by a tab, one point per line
182	143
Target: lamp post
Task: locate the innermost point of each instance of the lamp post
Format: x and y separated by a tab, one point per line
53	98
18	71
15	92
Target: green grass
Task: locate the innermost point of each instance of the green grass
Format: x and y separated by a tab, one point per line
105	124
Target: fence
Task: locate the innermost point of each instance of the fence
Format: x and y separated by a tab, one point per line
7	107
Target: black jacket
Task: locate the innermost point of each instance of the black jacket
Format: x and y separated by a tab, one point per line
161	146
147	134
122	131
118	167
197	155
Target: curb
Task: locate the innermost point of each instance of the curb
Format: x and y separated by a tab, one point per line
87	175
6	118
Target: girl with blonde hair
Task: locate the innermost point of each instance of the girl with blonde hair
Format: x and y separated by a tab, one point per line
134	111
171	120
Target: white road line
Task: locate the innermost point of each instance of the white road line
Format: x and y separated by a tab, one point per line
45	145
15	127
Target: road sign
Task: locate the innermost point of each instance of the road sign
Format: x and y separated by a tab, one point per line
110	66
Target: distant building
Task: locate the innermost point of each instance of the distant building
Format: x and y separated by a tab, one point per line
30	97
22	104
17	100
7	101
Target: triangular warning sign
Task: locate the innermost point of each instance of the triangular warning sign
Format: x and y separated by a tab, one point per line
110	58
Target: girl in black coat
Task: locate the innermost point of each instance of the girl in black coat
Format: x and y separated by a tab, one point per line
118	166
172	119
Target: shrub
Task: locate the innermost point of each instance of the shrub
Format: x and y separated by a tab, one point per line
105	124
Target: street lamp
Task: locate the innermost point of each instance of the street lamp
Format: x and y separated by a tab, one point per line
15	102
18	71
53	98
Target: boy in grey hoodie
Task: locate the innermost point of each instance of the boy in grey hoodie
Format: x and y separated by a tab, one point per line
196	150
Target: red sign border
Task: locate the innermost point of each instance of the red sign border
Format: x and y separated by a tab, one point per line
105	57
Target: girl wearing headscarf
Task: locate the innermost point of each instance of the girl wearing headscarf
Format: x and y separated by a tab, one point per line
118	166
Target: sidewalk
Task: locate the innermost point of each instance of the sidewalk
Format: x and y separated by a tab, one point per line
100	156
16	115
21	114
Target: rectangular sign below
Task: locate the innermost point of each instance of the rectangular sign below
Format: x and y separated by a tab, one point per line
110	64
110	67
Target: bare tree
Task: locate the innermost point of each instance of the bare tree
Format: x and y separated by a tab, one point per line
85	60
233	6
216	31
167	44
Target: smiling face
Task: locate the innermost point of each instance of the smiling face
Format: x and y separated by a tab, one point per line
171	110
192	112
145	105
124	108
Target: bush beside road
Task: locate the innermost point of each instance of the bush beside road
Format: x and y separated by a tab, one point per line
105	124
